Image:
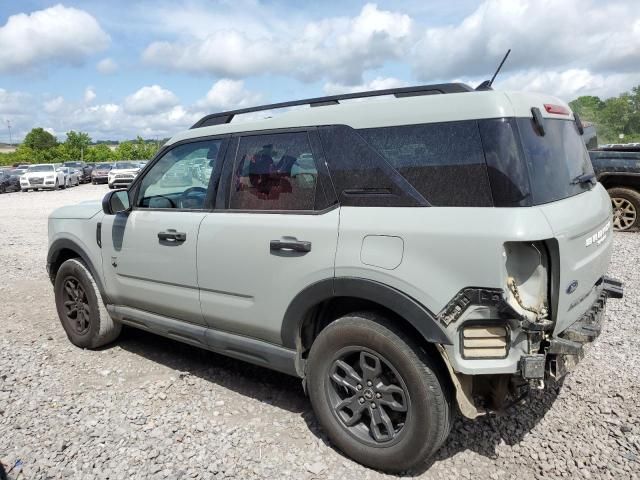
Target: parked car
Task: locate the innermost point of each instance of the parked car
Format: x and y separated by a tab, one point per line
9	181
122	174
83	168
403	257
44	176
617	168
71	176
100	173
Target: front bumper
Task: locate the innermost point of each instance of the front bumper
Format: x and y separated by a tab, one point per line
567	348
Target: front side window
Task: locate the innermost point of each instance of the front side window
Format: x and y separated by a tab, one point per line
180	179
274	172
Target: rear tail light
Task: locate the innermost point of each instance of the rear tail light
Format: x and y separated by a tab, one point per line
482	341
556	109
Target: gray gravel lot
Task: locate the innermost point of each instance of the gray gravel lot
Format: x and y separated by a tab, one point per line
148	407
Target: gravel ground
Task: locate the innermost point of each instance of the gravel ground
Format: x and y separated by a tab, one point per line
147	407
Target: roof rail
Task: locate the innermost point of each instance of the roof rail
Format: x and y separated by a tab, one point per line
440	88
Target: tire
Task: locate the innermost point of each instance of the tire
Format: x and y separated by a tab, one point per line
417	382
626	208
3	189
95	327
111	187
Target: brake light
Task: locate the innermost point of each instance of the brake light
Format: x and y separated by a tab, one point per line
557	109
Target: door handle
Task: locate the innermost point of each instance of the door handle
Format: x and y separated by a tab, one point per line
292	245
171	235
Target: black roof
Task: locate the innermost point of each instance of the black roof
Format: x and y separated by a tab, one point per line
440	88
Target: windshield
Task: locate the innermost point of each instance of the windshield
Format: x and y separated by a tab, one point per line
103	166
72	164
556	160
41	168
123	165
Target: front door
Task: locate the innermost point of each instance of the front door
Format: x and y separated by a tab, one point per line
274	236
149	253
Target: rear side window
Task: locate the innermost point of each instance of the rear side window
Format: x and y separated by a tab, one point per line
507	170
443	161
274	172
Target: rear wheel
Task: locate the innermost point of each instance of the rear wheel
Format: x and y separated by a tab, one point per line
378	396
626	208
80	309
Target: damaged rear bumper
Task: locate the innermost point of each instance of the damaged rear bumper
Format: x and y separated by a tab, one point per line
567	348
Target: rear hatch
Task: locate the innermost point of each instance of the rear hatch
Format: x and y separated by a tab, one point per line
578	210
582	228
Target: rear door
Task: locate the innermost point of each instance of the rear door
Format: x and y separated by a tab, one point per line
275	232
149	253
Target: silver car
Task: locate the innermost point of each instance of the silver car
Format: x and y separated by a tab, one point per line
437	250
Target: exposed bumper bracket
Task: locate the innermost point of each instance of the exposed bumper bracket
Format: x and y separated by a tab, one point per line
613	287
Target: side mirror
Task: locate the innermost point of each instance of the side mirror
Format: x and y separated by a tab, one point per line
116	202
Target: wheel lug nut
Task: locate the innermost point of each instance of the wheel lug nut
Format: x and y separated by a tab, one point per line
361	400
373	405
378	395
369	383
359	387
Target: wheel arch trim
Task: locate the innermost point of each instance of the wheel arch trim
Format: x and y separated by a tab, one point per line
61	244
418	316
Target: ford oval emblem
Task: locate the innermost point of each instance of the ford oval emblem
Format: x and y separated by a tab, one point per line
573	286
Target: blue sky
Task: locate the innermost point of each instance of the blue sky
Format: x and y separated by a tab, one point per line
118	69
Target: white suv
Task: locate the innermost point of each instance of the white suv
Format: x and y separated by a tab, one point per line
123	174
44	176
435	250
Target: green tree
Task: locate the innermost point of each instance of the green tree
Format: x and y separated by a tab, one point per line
99	153
40	139
138	149
588	107
76	144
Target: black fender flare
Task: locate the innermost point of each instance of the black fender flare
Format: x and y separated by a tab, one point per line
420	317
57	248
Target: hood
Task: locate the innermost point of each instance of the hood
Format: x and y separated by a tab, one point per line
84	210
124	170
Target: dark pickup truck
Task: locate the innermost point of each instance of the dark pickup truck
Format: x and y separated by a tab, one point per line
617	168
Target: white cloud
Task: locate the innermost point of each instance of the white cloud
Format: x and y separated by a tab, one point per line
107	66
151	99
89	95
57	34
53	105
571	83
378	83
543	34
228	94
338	48
14	102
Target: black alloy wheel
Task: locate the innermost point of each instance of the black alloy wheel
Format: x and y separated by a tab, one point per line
368	396
77	311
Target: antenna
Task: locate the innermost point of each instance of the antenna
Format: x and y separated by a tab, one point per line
486	85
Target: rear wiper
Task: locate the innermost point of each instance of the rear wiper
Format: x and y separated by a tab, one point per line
584	178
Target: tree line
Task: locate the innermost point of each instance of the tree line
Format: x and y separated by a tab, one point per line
613	116
40	146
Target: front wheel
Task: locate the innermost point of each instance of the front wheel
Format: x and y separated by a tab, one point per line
80	308
626	208
378	396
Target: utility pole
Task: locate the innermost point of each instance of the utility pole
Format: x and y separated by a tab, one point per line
9	127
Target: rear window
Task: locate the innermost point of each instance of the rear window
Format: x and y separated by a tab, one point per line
554	160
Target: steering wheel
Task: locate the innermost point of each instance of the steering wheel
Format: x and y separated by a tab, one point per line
192	193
